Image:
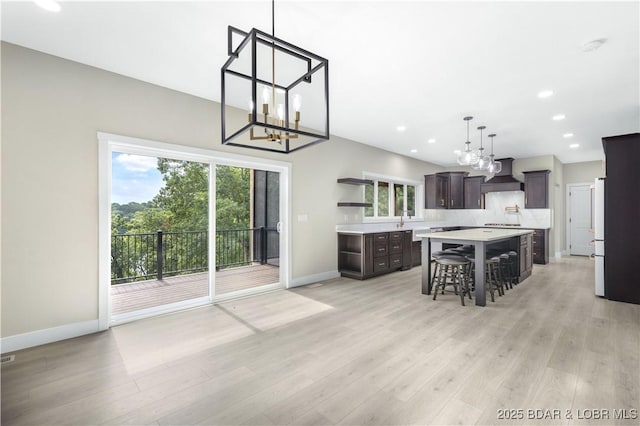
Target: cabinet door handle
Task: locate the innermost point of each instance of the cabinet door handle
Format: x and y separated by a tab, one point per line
478	202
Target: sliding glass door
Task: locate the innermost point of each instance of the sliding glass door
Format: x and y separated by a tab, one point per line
247	230
159	233
182	227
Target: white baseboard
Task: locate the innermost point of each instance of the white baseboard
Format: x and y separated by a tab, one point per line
558	254
310	279
47	335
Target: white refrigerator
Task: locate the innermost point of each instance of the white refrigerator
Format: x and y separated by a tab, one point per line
598	221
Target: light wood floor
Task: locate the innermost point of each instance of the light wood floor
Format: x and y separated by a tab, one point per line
146	294
346	352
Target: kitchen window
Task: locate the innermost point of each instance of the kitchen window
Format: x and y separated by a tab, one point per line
391	198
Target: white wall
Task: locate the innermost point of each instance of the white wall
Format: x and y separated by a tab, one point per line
51	111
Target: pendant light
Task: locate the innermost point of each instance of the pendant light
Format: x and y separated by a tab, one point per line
494	166
483	160
271	76
468	156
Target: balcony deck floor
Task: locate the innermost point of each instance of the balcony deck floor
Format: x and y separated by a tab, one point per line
147	294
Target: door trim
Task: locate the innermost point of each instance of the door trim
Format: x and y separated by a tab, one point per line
108	142
567	223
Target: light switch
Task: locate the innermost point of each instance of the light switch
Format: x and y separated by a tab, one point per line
302	218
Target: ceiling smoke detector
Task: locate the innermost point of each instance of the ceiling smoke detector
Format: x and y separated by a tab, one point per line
592	45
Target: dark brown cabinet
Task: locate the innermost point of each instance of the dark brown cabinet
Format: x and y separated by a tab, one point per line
525	259
536	189
622	218
540	246
444	190
416	253
363	256
473	196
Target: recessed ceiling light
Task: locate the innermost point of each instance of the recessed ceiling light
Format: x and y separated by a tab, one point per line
592	45
50	5
401	128
567	135
431	141
545	94
574	145
457	152
414	150
558	117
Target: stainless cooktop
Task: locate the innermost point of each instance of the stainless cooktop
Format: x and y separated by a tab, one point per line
501	224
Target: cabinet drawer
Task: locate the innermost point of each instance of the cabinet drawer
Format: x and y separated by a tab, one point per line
380	250
395	236
395	247
380	264
395	261
382	237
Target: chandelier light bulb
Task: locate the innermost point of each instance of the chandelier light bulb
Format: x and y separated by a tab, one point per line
266	95
297	102
280	112
250	106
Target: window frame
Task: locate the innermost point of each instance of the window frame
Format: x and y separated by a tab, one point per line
392	181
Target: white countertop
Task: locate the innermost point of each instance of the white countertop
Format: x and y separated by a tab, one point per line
477	234
366	228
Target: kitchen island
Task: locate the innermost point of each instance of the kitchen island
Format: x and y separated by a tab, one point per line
480	238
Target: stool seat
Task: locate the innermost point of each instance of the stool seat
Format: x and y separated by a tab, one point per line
453	260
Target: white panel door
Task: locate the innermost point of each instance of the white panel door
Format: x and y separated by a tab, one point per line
580	226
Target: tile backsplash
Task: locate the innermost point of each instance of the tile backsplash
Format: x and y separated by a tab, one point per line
495	212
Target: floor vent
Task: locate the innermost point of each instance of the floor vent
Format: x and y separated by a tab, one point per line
7	359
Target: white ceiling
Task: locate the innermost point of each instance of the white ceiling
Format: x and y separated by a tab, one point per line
420	64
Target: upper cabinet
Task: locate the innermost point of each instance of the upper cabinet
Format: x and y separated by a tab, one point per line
536	189
473	196
444	190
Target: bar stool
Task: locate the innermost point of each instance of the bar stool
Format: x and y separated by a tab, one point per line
513	267
492	282
452	272
505	273
436	255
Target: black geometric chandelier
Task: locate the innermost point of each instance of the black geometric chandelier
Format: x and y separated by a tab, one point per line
269	79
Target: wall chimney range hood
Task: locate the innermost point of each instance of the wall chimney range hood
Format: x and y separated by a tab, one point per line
503	181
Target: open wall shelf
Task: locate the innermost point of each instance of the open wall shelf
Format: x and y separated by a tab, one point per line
353	204
354	181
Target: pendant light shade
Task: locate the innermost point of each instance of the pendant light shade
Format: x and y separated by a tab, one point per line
483	160
494	166
467	157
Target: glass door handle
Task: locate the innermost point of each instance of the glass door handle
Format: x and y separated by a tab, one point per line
279	227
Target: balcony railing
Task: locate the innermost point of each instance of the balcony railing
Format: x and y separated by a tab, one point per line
136	257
